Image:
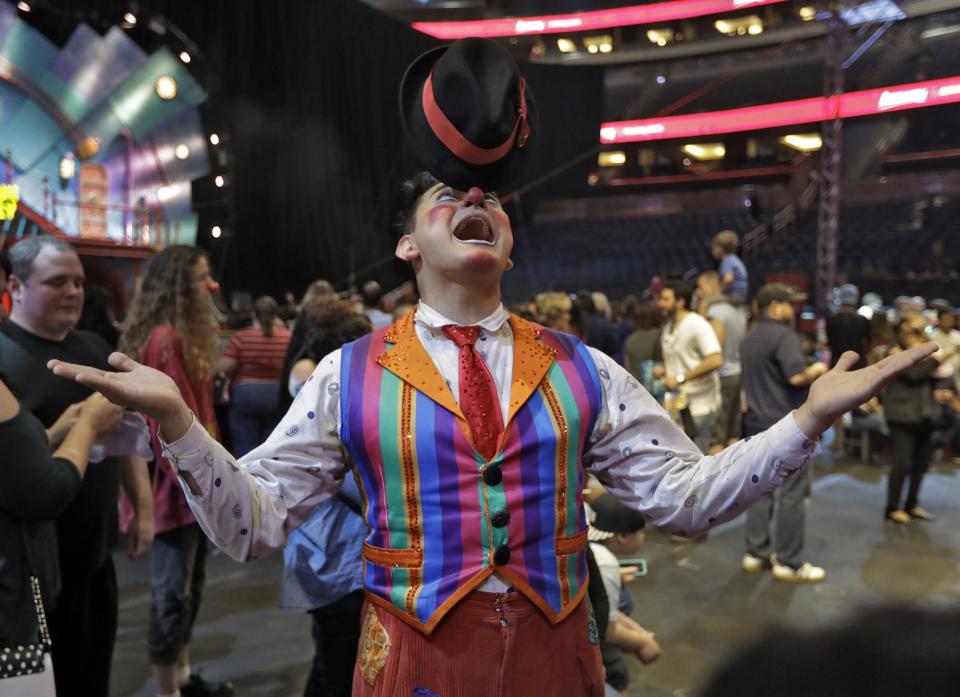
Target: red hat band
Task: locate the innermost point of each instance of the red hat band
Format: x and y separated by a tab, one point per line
458	144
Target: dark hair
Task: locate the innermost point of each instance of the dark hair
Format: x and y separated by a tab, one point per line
681	290
578	320
371	294
323	325
97	316
24	253
410	192
853	659
647	316
4	264
265	312
585	297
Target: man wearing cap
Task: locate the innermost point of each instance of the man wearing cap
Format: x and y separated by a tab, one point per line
614	529
775	379
469	431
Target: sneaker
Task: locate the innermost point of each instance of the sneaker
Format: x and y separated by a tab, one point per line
920	514
197	686
806	573
752	564
898	516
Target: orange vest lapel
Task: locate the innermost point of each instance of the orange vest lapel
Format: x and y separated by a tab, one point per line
531	361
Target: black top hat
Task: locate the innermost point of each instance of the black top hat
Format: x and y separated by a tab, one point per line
469	115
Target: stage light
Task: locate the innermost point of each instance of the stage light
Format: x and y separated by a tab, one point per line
182	152
939	31
660	37
739	25
804	142
88	147
215	232
808	13
218	181
612	158
165	193
705	151
23	6
599	44
129	18
687	162
185	57
214	139
166	87
68	166
661	79
566	46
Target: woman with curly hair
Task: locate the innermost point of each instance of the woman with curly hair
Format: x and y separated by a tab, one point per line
171	326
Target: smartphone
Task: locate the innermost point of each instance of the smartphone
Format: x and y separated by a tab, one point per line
641	564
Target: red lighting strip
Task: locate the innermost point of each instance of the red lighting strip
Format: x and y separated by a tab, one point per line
585	21
877	101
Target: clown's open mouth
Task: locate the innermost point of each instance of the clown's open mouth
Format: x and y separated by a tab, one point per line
474	230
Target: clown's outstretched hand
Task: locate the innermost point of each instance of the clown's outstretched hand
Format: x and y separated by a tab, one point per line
839	390
137	387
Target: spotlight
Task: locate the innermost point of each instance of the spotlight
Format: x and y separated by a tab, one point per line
68	166
165	193
23	6
218	181
166	87
214	139
129	19
216	232
661	79
182	152
185	57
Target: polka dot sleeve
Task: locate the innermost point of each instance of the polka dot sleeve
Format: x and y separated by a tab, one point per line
248	507
644	459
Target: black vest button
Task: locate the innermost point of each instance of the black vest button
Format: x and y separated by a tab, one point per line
493	475
502	555
500	518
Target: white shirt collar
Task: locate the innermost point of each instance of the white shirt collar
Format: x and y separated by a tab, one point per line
428	317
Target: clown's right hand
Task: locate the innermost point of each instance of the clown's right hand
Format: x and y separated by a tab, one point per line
134	386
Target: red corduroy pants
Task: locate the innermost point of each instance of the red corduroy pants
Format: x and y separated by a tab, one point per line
489	645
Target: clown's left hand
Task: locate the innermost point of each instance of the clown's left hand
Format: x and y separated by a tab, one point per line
840	389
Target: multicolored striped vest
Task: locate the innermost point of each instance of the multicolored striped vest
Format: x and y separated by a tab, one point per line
441	518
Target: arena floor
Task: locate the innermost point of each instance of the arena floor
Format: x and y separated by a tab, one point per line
696	598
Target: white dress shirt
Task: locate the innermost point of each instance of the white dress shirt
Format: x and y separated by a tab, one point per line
248	507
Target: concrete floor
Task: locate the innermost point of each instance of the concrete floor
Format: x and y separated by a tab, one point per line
695	597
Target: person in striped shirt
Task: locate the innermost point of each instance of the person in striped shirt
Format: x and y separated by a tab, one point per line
253	360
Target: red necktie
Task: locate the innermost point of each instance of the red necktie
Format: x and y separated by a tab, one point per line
478	393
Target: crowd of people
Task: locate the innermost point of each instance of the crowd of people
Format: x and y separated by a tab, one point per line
423	466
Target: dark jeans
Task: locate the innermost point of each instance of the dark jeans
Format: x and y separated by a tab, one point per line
253	415
336	632
788	521
83	627
177	571
912	448
729	423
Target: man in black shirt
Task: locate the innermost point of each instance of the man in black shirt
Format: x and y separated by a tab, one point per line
775	380
846	330
46	286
